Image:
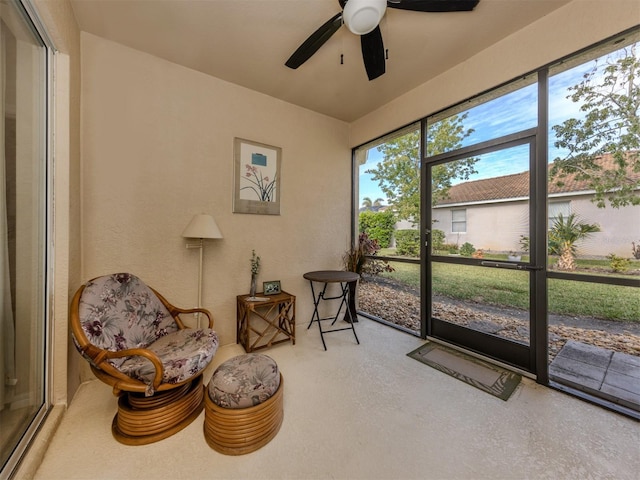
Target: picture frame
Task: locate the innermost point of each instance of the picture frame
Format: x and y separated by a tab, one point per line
271	288
256	178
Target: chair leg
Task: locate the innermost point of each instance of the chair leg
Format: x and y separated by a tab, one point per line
142	420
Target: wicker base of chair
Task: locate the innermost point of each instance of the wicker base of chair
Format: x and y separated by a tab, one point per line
142	420
236	431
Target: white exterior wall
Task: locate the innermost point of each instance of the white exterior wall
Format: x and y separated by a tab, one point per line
490	227
498	226
619	227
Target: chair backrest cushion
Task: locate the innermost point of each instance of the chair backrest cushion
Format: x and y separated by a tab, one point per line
119	311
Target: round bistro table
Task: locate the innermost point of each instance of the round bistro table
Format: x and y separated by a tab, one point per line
326	277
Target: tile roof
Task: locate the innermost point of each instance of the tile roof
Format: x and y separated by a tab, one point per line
517	186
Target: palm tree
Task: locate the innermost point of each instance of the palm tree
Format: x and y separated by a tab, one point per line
378	202
366	202
563	237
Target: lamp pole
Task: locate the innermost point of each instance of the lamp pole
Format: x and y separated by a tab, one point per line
199	245
201	226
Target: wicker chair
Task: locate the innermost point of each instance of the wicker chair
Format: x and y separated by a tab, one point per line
135	341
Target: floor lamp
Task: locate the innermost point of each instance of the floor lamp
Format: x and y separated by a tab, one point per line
201	226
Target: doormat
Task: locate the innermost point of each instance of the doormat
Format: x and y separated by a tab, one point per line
485	376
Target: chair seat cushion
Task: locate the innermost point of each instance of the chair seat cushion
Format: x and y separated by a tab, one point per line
184	354
244	381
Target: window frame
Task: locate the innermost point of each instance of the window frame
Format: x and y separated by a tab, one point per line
457	222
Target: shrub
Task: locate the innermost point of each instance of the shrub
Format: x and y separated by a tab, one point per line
467	249
378	226
450	247
635	250
618	264
408	243
437	239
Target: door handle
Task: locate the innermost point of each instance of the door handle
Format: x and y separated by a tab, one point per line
530	267
486	263
513	266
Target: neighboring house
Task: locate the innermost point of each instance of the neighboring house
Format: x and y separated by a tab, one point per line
492	214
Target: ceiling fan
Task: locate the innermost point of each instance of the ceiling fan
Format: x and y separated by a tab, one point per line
362	17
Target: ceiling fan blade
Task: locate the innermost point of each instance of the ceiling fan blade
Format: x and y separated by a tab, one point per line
315	41
434	5
373	53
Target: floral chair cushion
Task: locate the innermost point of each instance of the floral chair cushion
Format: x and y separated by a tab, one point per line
119	311
184	354
244	381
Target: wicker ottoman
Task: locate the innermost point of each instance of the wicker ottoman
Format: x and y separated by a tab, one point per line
243	404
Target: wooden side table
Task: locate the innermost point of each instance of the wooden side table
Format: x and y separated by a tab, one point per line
264	323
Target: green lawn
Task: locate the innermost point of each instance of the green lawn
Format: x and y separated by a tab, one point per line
511	288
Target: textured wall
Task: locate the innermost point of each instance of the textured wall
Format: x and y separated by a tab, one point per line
157	147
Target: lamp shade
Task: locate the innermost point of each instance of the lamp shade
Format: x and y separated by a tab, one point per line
202	226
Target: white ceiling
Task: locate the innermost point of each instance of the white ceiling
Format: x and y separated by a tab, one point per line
246	42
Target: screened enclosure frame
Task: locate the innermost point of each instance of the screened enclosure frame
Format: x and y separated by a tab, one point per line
541	132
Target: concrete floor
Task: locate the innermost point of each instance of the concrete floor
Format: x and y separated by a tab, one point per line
366	412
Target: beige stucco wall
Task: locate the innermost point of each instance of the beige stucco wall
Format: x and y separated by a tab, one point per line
564	31
158	147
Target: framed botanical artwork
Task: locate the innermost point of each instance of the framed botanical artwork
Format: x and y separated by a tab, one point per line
256	178
271	288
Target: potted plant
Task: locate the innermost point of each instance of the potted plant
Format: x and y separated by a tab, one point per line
358	259
514	256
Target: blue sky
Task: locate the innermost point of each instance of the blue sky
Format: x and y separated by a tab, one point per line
510	113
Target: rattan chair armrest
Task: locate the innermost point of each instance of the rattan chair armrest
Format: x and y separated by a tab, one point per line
176	311
194	310
141	352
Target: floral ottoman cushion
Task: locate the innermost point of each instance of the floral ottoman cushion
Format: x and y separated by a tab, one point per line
244	381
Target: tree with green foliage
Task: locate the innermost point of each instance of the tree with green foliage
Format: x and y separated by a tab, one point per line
564	236
398	174
609	95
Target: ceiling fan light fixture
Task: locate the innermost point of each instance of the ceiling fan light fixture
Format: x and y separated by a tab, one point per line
362	16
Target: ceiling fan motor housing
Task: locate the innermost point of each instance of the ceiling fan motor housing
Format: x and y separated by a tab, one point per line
362	16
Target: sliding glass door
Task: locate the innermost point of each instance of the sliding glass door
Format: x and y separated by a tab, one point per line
23	227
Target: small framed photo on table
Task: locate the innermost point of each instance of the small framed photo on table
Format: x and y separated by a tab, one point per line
271	288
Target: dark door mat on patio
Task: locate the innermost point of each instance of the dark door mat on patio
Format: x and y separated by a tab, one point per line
487	377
